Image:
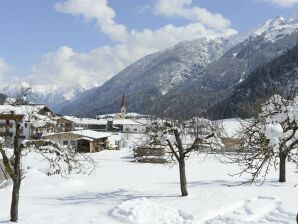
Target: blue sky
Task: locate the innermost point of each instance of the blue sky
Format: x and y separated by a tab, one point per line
32	30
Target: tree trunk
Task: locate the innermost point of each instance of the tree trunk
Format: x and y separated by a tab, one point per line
17	179
282	167
14	210
297	218
183	183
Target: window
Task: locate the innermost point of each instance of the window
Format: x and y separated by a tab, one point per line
65	142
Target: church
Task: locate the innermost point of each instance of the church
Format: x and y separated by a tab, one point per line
123	109
127	125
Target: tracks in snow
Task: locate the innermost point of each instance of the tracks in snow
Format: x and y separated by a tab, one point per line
261	210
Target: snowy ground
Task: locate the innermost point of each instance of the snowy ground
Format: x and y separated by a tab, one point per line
120	191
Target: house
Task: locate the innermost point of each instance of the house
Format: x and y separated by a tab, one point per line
7	124
83	140
103	125
129	126
35	120
64	124
87	123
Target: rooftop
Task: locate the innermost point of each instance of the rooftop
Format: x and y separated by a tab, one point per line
85	133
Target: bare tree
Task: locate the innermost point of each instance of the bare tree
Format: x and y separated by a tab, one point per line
270	140
180	139
61	159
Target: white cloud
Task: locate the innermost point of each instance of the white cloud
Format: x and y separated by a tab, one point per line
98	10
69	68
283	3
5	73
143	8
185	9
86	69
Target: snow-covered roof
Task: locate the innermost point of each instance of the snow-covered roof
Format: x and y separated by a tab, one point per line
91	134
21	110
129	115
103	121
86	134
86	120
126	122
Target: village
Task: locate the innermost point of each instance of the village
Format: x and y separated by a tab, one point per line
112	141
85	134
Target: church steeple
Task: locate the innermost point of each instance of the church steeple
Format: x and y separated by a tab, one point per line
123	107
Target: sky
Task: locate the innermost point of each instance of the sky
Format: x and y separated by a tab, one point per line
85	42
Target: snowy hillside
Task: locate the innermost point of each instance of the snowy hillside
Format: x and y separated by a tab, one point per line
51	94
219	78
278	76
54	96
190	77
149	78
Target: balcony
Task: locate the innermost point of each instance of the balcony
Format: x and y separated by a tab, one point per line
6	134
6	125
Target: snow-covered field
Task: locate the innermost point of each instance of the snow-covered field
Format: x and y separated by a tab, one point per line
120	191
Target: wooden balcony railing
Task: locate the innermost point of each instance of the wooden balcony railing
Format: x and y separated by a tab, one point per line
6	125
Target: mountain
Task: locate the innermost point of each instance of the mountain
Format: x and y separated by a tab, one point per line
2	98
54	96
190	78
279	76
149	78
217	81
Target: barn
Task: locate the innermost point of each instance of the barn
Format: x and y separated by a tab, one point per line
83	141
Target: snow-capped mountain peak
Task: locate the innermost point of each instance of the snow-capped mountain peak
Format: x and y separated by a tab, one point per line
293	19
51	94
277	28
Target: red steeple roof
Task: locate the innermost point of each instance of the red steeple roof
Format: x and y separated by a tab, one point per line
123	104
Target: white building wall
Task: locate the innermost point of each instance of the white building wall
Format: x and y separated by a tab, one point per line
133	128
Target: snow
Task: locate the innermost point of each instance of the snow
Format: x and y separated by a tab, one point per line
103	121
85	133
122	192
145	211
275	29
86	120
22	109
273	132
280	119
231	127
127	122
128	115
30	113
91	134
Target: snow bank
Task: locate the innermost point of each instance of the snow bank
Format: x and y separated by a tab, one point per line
144	211
231	127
